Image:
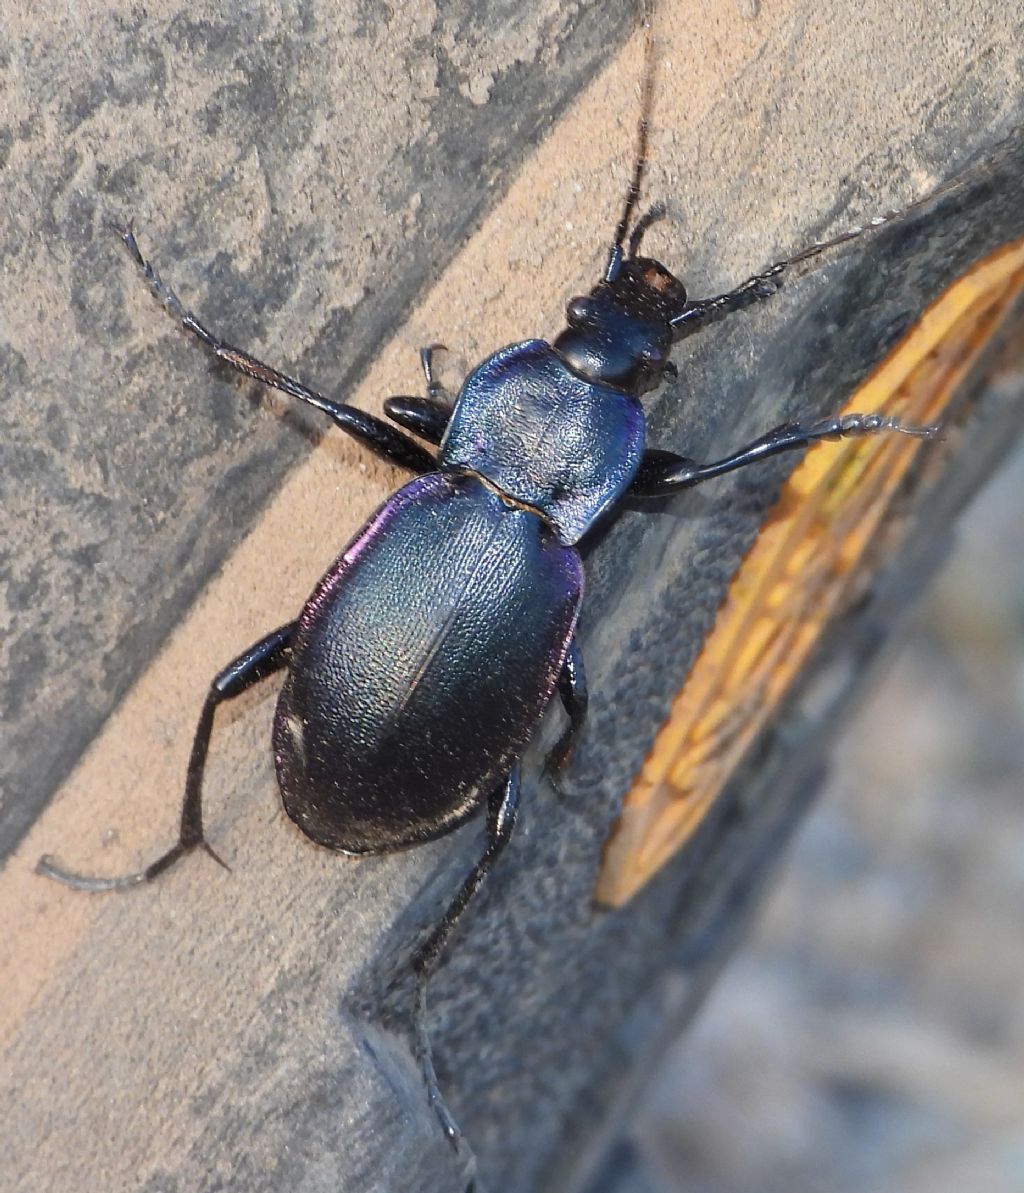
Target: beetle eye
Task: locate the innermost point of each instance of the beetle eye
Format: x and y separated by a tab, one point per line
653	358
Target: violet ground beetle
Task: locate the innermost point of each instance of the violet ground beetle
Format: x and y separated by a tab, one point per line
421	667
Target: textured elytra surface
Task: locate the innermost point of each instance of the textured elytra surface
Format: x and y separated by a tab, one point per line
421	666
203	1032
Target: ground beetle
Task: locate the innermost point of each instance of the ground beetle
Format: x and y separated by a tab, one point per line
420	668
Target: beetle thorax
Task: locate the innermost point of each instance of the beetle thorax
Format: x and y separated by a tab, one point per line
534	428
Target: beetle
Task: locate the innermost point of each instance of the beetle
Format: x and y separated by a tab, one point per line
421	666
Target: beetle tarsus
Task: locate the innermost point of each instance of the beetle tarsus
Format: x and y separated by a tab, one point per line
49	867
435	388
209	850
263	658
424	1055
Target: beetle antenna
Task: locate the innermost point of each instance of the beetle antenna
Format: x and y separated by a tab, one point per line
767	282
640	160
651	216
887	217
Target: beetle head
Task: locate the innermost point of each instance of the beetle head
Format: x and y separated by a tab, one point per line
620	334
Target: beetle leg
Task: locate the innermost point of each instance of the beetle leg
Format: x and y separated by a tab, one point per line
702	311
372	432
260	660
435	388
427	417
663	472
501	817
769	281
572	687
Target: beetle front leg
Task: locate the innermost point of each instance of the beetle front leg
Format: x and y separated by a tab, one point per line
663	472
427	417
769	281
260	660
501	818
703	311
372	432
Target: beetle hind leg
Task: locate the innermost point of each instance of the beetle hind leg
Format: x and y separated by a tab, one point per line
260	660
572	687
501	817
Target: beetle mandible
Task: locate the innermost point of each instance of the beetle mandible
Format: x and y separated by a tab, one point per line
420	668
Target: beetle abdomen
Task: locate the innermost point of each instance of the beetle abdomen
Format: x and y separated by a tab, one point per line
422	665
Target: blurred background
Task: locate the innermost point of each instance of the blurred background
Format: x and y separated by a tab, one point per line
870	1035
